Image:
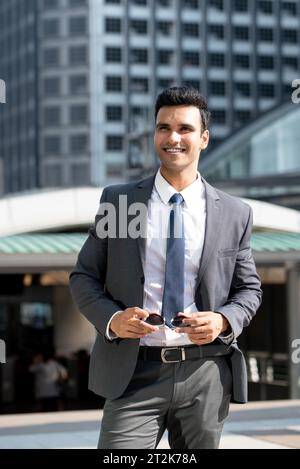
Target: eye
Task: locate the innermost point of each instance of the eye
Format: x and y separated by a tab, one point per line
162	127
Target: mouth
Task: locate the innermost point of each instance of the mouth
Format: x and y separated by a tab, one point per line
174	151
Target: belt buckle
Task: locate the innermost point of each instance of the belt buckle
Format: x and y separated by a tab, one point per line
166	349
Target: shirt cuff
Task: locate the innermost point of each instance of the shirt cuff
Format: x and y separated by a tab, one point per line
110	335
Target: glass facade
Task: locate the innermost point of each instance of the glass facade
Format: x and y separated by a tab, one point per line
262	160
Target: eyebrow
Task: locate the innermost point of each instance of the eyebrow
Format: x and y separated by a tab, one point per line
183	124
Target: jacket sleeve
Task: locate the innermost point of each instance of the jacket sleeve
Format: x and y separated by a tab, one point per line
245	293
87	280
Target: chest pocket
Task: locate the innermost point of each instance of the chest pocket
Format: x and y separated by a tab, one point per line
227	252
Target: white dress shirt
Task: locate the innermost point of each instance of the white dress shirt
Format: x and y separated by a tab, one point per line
194	217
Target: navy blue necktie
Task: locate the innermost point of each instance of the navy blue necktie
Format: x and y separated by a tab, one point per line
173	296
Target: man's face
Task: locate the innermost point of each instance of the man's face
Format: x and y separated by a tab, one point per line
178	137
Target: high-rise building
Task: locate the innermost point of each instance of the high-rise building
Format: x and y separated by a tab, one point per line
45	123
93	68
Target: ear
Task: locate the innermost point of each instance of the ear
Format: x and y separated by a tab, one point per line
204	140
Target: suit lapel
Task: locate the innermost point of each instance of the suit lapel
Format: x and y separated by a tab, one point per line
142	194
213	225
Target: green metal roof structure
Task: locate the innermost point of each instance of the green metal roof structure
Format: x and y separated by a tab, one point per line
51	243
58	251
68	243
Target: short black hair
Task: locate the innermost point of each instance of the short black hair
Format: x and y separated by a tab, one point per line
184	95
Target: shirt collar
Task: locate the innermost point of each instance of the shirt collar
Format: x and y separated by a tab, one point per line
190	193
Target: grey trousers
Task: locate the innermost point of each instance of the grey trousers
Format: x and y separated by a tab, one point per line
190	399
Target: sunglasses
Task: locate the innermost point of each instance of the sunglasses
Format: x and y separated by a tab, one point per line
155	319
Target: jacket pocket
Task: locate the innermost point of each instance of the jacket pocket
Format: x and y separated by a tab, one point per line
227	252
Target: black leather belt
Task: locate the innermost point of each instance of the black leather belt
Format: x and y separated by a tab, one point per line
179	354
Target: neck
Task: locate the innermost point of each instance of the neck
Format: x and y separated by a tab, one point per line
179	180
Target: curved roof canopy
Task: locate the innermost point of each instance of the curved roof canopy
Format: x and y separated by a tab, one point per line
73	209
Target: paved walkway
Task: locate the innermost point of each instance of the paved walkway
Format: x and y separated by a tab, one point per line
265	425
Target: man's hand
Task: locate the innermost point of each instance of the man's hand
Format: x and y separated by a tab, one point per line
203	326
129	324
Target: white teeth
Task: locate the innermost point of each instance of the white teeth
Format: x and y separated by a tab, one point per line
174	150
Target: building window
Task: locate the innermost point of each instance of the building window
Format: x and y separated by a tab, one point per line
165	56
80	174
217	4
266	34
192	84
78	3
53	176
266	90
51	27
217	88
79	114
78	84
242	61
113	54
50	4
77	26
114	142
52	145
265	6
165	27
164	3
216	31
51	57
191	58
78	144
287	91
240	5
290	62
219	116
191	4
266	62
77	55
289	8
139	85
217	60
113	25
52	116
190	29
113	2
241	33
52	86
163	83
243	89
140	2
139	56
242	117
114	113
290	36
113	83
139	26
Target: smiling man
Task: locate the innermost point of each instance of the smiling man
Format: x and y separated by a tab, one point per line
168	307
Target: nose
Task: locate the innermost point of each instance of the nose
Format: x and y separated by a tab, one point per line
174	137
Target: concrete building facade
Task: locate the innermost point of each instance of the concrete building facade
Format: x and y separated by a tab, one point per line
82	77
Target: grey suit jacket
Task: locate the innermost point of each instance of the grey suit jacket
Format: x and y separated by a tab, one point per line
109	276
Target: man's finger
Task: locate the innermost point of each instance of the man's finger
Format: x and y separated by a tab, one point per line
133	335
195	321
142	327
138	313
